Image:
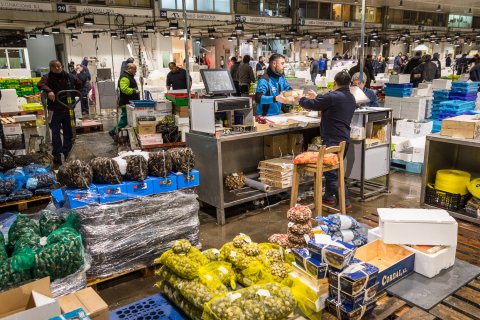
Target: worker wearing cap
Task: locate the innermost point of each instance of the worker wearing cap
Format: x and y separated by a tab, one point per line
337	109
128	91
270	87
368	92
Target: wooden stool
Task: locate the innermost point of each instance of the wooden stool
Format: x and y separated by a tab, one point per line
318	169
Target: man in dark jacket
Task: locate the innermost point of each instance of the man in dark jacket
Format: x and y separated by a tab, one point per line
436	60
337	108
245	76
426	71
448	61
59	116
475	71
322	65
124	67
83	76
234	74
462	64
128	91
260	67
314	70
413	63
369	67
177	77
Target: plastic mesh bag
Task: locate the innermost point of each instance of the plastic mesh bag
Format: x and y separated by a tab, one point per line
160	164
212	254
184	265
20	195
7	185
220	270
35	169
183	159
7	160
10	278
137	168
22	227
3	250
49	221
105	171
176	297
75	174
40	180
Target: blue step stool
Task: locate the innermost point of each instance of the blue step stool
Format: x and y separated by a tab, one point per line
155	307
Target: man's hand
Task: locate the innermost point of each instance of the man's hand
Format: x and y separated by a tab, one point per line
281	98
297	99
311	95
51	96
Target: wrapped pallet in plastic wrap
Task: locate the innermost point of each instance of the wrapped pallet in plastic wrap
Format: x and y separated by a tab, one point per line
129	235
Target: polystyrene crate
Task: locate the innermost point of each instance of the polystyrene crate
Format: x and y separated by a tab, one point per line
153	307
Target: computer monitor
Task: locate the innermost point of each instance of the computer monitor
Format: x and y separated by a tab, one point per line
217	81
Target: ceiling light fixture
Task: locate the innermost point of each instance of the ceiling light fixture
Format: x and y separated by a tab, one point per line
290	41
88	21
113	35
32	36
199	40
45	33
71	25
74	37
230	39
145	35
234	35
254	37
129	32
55	30
150	28
401	3
239	28
439	8
211	36
292	31
262	34
122	37
166	34
320	41
173	25
278	36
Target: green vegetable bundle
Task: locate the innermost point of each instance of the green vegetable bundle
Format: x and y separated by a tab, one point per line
49	221
3	250
10	278
174	295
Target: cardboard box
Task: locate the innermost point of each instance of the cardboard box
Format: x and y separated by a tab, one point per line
31	301
417	226
275	146
12	129
150	139
188	180
88	300
147	127
353	283
139	188
308	278
182	121
429	260
354	301
413	129
403	156
311	298
393	261
465	126
295	143
134	113
315	268
399	78
441	84
78	314
108	193
335	256
345	313
182	112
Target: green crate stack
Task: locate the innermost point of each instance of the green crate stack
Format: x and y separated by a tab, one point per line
178	102
35	82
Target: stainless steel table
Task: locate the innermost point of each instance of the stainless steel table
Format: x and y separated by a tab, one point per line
216	157
443	152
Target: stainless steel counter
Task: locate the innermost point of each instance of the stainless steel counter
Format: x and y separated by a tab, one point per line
216	157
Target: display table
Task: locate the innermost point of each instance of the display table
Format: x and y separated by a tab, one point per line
442	152
217	157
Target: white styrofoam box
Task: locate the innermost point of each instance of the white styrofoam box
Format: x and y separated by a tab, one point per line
413	129
182	121
133	113
417	227
12	129
9	101
417	92
428	265
399	78
401	143
425	85
404	156
159	115
25	118
393	101
39	130
164	106
442	84
418	145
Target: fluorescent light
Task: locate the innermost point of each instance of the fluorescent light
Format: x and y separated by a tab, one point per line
88	21
239	28
150	27
254	37
173	25
122	37
166	34
55	30
113	35
230	39
32	36
74	37
45	33
129	32
439	8
71	25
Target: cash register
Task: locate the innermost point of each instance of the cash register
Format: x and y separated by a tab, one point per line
218	113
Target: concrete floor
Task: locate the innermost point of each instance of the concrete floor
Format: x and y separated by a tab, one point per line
259	223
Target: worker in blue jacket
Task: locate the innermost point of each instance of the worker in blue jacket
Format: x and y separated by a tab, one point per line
270	87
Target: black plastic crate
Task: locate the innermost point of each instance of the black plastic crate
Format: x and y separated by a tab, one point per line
446	200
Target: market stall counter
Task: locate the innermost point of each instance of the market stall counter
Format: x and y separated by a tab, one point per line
217	157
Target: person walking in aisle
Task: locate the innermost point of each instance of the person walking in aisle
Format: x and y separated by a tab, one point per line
314	70
260	67
475	71
369	67
448	61
436	60
426	71
177	78
222	62
86	86
462	64
322	65
379	65
128	91
413	63
59	116
271	85
337	108
397	63
245	76
234	74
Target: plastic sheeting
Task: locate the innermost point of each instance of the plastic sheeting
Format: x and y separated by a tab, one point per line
131	234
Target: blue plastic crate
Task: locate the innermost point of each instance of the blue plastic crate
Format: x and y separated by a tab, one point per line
465	84
153	307
188	180
463	98
112	192
399	85
167	184
137	189
143	103
78	198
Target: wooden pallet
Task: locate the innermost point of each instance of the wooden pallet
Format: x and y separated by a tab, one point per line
22	205
21	113
164	146
468	247
89	126
143	272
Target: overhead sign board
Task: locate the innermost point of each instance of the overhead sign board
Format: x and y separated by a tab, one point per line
25	5
70	8
322	23
195	16
263	20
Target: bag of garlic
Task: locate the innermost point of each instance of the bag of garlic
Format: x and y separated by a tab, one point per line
75	174
271	301
160	164
221	270
183	259
105	171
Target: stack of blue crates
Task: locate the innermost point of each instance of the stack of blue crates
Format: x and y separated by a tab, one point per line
466	91
439	96
455	108
399	90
